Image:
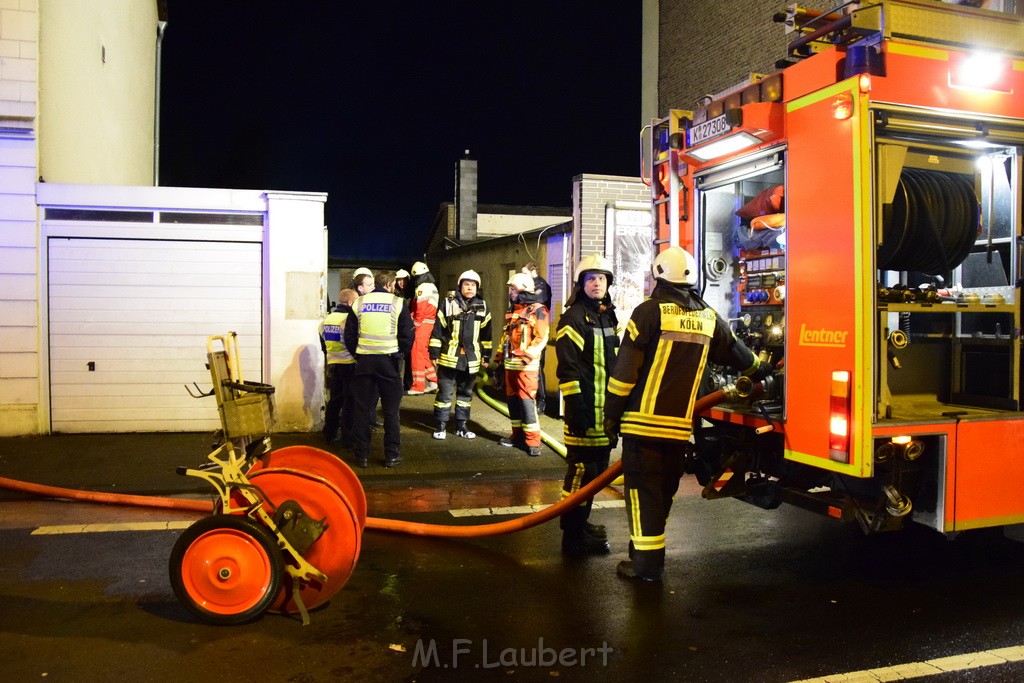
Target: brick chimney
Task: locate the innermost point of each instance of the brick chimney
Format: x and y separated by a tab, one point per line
465	199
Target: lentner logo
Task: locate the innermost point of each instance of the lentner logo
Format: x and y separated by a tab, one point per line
822	337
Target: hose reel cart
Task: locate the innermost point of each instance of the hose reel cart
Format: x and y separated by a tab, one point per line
287	524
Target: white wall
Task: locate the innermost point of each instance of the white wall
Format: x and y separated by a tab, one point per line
295	295
97	84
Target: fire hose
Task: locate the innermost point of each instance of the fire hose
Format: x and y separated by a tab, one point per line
380	524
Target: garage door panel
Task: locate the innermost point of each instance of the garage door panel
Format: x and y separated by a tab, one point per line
145	321
133	329
108	291
130	266
141	311
167	302
74	248
176	281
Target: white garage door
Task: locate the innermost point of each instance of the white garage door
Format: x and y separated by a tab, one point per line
128	323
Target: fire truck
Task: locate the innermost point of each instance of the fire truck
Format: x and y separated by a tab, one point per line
857	217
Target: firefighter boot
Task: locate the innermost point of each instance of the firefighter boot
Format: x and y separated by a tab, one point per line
596	530
580	543
646	565
441	431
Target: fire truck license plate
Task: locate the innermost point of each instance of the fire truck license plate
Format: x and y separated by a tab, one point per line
707	130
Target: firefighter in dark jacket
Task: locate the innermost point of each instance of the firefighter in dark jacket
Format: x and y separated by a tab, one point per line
586	343
668	342
460	343
377	332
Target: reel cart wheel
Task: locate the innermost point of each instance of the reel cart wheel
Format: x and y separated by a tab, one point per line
226	569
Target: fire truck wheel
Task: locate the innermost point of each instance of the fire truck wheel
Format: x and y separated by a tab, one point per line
226	569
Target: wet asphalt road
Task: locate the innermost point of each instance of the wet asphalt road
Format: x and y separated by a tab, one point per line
748	595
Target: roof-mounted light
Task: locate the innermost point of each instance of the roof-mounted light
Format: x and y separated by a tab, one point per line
981	71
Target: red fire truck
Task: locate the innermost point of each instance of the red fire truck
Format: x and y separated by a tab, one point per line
857	215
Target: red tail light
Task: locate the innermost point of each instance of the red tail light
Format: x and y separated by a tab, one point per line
839	417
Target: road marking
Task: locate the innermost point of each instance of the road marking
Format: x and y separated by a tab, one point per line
98	528
931	667
524	509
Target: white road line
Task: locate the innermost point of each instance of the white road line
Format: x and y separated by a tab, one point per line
524	509
98	528
931	667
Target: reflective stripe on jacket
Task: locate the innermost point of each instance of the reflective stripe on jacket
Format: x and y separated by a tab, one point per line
586	344
524	337
462	334
669	340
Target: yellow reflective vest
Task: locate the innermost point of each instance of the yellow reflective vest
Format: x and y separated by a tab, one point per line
332	332
377	315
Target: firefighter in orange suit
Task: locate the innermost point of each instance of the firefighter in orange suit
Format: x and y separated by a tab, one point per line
424	314
668	342
522	343
586	343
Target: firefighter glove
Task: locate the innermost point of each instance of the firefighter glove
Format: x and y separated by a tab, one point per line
611	428
577	421
762	371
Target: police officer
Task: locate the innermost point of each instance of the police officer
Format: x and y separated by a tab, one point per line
668	342
340	366
377	332
460	343
586	342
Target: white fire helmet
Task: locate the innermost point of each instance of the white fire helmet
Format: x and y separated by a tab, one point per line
522	282
362	271
401	274
675	265
470	275
594	263
419	268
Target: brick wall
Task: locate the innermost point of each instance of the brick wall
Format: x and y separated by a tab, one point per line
19	276
19	41
591	195
711	49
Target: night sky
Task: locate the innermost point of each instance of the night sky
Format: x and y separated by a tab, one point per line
374	104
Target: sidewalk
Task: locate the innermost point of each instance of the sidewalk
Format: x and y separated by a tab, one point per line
146	463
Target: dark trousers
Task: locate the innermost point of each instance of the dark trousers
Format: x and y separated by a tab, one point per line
460	383
377	375
652	470
584	463
340	406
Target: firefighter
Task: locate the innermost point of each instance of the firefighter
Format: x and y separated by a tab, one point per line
460	344
424	313
377	332
668	342
340	366
522	343
586	343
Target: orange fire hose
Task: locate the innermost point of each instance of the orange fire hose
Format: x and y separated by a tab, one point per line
376	523
109	498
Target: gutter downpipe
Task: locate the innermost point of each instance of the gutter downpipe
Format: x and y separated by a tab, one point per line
161	27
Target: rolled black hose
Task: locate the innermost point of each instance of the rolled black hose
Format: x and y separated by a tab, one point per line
932	225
